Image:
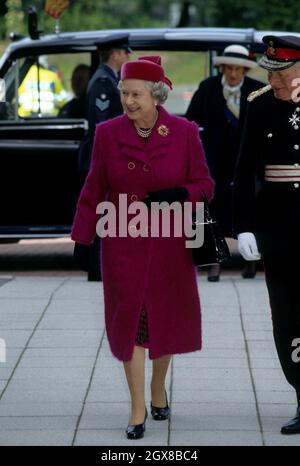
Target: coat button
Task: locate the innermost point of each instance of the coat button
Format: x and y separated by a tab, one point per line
146	168
131	165
296	185
296	146
133	197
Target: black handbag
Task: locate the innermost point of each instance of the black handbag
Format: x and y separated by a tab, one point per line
214	249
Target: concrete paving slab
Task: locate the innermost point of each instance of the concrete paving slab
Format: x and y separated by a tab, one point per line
183	420
210	373
218	388
15	338
77	322
207	396
38	423
277	409
24	409
55	374
57	363
65	338
217	383
265	396
62	352
117	438
55	395
272	439
212	363
36	438
219	408
39	287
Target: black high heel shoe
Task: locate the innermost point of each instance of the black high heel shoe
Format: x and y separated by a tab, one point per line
161	414
135	432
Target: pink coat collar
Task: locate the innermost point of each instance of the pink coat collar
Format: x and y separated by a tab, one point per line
160	137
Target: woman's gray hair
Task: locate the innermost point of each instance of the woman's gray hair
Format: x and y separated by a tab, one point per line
159	90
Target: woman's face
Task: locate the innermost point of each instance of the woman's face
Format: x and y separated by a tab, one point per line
137	101
233	74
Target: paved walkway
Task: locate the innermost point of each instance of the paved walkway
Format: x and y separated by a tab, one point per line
61	386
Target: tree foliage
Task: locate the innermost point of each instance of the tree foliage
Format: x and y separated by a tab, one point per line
111	14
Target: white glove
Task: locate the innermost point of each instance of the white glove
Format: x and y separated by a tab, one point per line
247	246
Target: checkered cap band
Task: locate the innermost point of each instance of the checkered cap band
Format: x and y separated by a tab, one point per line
274	65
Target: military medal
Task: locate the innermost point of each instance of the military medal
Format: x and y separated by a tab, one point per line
295	119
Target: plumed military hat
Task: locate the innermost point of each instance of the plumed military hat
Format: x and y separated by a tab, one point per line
282	52
147	68
115	41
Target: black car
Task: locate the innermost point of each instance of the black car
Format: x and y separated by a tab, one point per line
39	183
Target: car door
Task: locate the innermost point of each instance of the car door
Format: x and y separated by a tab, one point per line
39	182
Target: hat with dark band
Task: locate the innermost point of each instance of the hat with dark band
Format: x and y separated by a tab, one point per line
282	52
235	55
115	41
146	68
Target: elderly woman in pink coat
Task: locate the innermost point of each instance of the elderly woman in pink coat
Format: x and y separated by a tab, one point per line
150	288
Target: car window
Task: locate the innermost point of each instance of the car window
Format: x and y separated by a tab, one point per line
40	86
186	70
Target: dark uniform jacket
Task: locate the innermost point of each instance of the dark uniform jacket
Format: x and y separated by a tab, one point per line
271	137
220	134
102	103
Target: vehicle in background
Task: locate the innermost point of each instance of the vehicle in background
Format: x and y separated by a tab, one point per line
39	184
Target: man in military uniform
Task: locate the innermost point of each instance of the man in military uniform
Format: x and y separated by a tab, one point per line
102	103
267	198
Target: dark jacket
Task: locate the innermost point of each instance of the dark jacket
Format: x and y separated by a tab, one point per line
102	103
221	139
270	138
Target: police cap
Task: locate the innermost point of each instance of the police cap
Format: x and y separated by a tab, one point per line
114	41
282	52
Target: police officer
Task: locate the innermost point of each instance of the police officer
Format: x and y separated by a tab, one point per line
103	96
267	198
102	103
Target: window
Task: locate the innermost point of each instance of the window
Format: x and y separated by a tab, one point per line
40	86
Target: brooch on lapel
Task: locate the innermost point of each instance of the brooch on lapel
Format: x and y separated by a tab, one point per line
163	130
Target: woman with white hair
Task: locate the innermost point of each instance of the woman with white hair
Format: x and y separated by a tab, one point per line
149	280
218	107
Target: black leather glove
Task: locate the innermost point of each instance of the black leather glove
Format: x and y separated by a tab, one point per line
169	195
81	256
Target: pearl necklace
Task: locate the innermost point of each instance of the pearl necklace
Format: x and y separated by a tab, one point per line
145	133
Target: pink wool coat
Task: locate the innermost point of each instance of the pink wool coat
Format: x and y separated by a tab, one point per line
157	273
